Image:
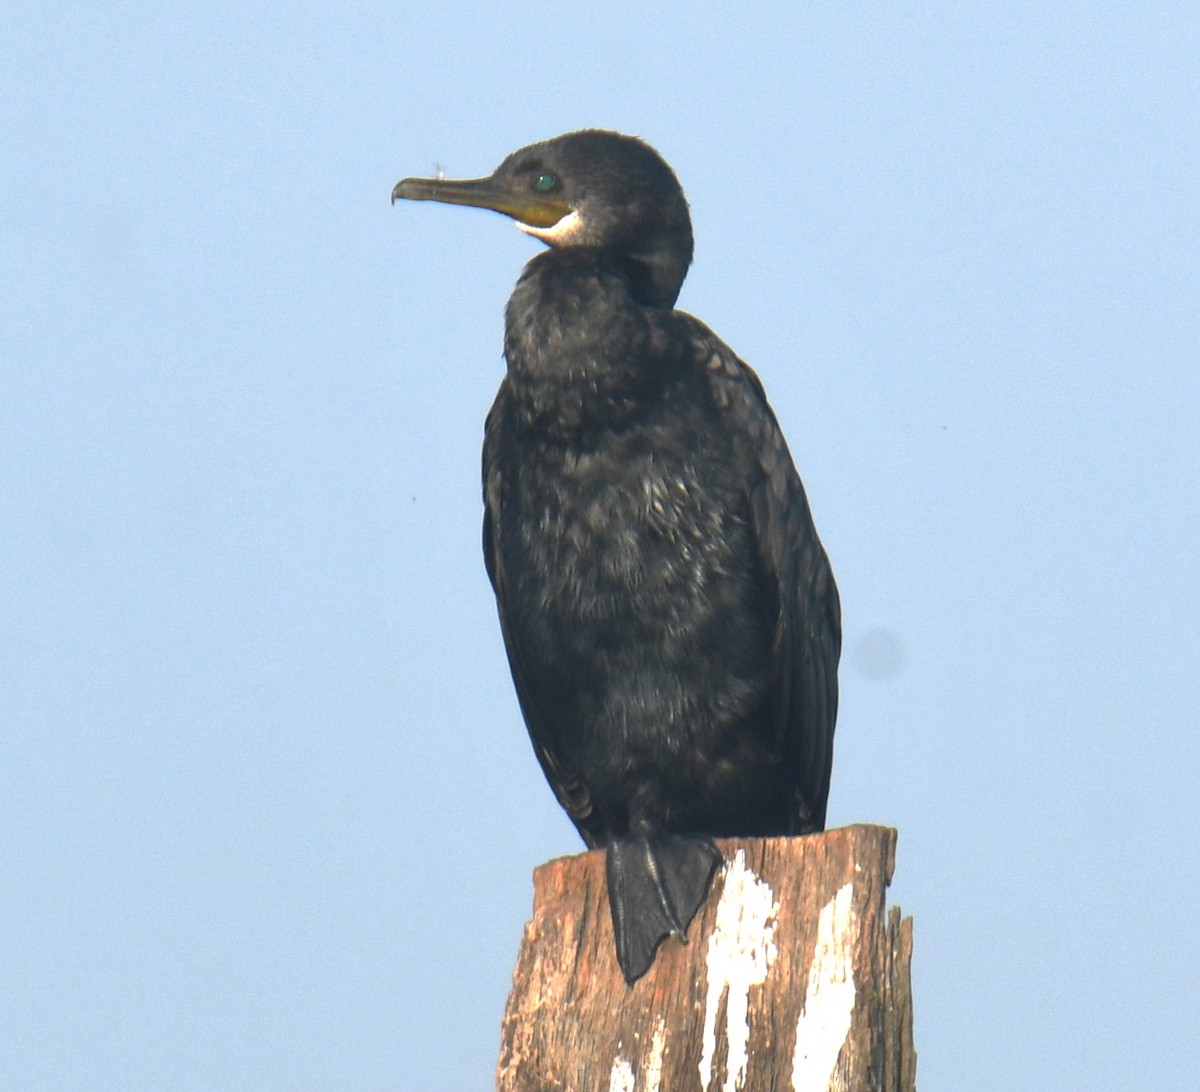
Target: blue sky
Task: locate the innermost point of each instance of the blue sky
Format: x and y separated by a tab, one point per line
267	808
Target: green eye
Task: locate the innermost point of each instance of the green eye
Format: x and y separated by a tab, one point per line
545	182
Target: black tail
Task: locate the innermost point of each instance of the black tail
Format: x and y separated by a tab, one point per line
656	883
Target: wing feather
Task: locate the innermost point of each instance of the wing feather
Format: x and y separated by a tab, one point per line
568	787
807	638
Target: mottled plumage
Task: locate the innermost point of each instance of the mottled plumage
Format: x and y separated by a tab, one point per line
670	616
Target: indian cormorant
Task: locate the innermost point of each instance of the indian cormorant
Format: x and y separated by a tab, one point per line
670	616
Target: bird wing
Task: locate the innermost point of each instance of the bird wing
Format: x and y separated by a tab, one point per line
808	632
572	793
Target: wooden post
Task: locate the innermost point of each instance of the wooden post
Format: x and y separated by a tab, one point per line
795	977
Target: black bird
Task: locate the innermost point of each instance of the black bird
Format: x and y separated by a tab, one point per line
670	616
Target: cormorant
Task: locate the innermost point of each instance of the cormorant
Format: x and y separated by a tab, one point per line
670	616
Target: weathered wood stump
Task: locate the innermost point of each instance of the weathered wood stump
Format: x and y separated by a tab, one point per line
795	976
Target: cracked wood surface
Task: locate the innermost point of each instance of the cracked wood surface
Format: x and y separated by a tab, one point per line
795	977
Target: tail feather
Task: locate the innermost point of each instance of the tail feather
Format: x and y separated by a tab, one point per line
656	883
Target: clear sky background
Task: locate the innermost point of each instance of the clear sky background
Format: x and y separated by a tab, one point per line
267	808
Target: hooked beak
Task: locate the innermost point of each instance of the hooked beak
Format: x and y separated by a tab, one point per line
531	209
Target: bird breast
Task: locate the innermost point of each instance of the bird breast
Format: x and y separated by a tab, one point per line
605	527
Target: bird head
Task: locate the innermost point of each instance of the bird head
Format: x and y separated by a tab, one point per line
594	189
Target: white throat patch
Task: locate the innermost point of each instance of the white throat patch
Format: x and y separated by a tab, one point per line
567	230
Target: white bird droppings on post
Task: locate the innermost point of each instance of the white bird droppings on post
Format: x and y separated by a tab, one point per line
829	1000
654	1060
740	952
621	1079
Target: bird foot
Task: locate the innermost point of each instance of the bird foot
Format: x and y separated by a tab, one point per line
656	884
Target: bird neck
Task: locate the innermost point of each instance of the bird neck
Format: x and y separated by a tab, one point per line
656	271
581	347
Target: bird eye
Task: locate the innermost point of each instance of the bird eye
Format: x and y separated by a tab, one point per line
545	182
